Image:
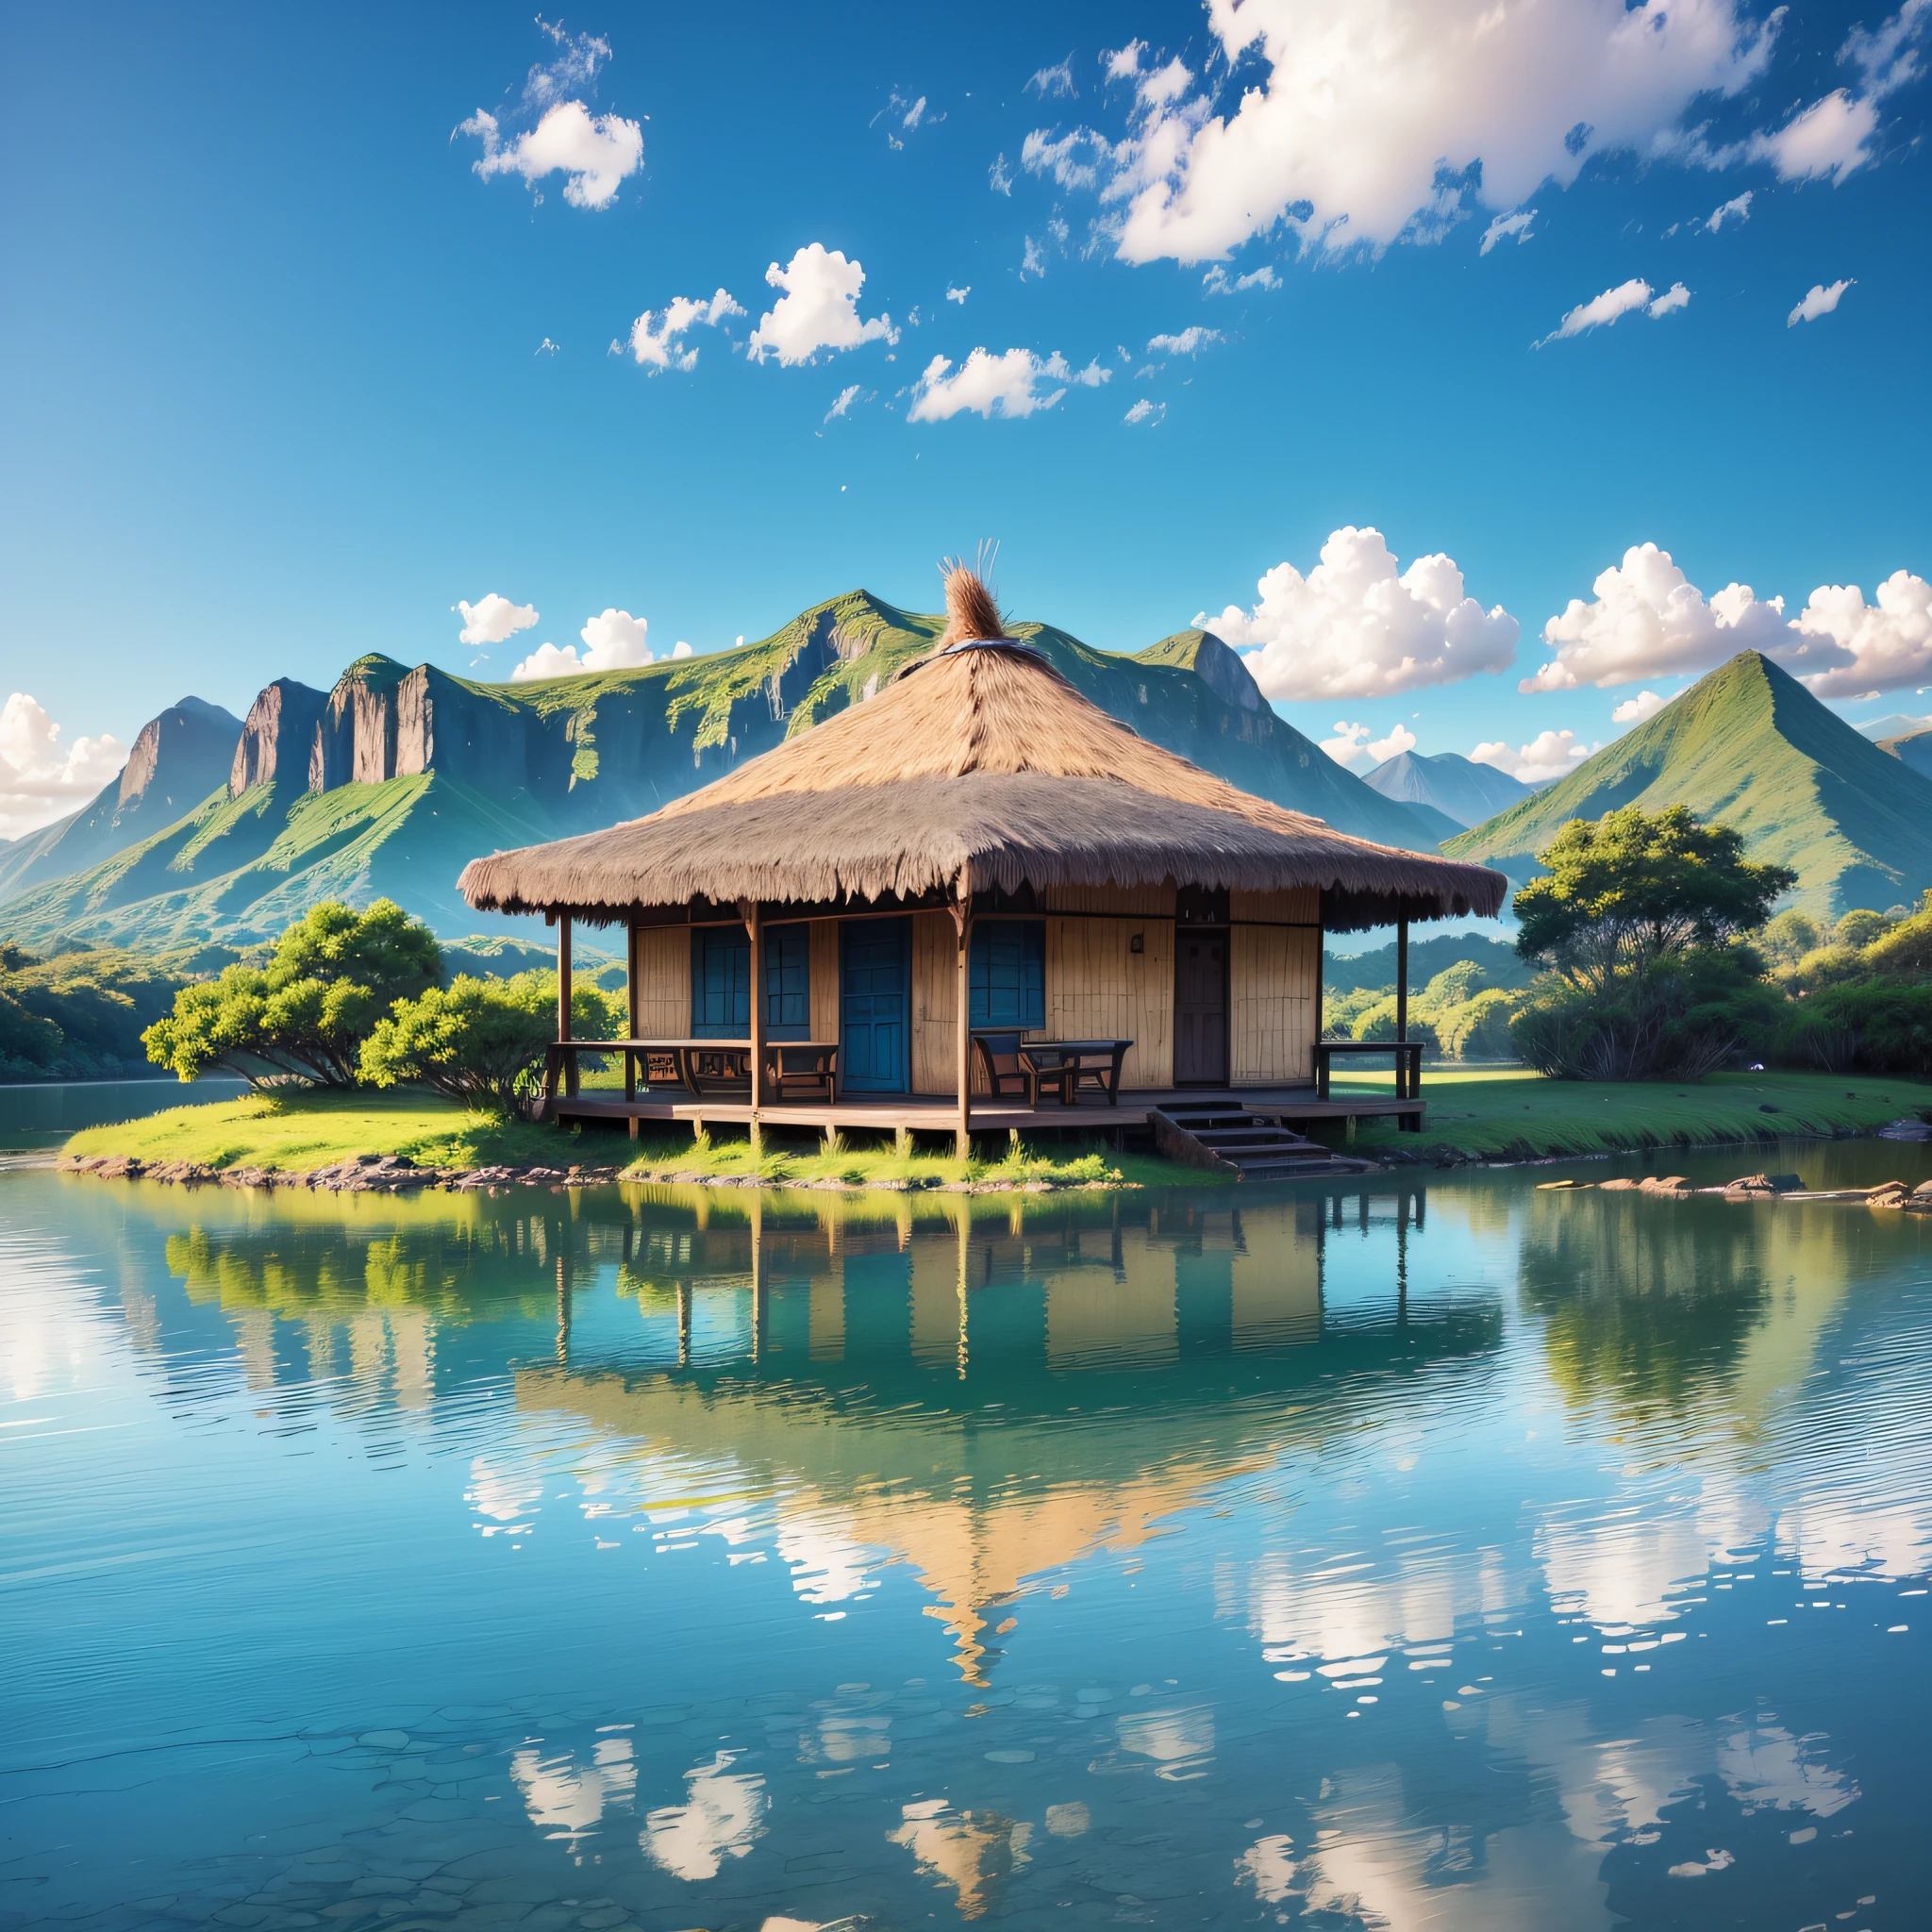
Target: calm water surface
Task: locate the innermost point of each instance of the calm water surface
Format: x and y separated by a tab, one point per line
1411	1554
40	1116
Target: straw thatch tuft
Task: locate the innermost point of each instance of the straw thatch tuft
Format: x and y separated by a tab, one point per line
972	616
973	770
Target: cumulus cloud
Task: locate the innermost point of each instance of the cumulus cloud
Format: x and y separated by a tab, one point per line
958	295
1847	648
1736	209
680	649
1216	281
492	619
1353	746
818	310
656	336
1603	310
41	779
1503	227
593	153
1190	341
1373	120
1011	385
1144	411
1548	755
1355	627
614	641
1638	711
1648	620
1051	82
1820	301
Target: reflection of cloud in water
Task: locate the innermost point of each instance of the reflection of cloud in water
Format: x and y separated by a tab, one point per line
1622	1563
502	1490
566	1799
826	1567
1766	1765
1359	1606
1268	1865
974	1851
723	1814
1179	1742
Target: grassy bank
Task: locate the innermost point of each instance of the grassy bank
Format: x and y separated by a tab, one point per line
1511	1110
299	1132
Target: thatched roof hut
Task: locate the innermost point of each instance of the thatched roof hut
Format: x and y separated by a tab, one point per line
979	768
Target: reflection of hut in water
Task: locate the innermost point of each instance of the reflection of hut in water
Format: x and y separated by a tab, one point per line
971	1398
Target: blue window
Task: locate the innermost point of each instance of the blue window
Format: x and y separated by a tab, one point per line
788	982
720	982
1007	974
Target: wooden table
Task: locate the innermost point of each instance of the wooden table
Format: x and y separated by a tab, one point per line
1408	1062
1098	1060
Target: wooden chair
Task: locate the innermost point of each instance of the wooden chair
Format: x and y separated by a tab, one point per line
1010	1073
801	1070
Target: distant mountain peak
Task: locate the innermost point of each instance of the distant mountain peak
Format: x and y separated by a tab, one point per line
1458	786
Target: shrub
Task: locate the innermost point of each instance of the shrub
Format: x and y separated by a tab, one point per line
1860	927
482	1041
1479	1027
305	1015
1789	938
1884	1026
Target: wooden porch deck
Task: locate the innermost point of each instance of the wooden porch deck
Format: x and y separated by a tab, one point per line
935	1115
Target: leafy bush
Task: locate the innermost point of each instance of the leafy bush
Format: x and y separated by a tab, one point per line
79	1013
1789	938
1478	1030
1884	1026
305	1015
482	1041
1860	927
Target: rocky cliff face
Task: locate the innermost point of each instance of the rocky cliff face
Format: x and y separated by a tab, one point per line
277	736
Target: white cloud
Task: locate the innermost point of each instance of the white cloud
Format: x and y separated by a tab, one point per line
1092	376
1144	411
42	779
1190	341
1548	755
492	619
1123	63
594	153
1648	620
1074	161
818	310
655	337
1602	312
1848	647
1503	227
1820	301
1736	209
1354	628
614	640
1216	280
680	649
999	177
1052	81
843	401
1640	709
958	295
1006	386
1351	745
1032	262
1372	121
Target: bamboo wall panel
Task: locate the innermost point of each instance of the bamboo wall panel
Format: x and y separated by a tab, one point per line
935	1003
1155	901
1097	988
1295	906
1274	984
824	979
663	982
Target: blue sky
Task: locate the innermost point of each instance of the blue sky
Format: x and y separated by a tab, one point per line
286	377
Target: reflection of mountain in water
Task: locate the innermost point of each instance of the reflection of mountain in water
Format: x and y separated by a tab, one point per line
970	1393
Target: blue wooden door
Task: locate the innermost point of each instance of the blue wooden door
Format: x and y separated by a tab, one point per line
875	1002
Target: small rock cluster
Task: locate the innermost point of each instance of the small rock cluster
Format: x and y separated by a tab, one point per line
1759	1187
360	1174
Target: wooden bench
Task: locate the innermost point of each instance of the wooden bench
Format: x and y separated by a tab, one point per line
1409	1064
1014	1066
795	1069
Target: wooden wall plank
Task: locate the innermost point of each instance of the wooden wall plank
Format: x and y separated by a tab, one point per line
1153	901
824	979
664	982
935	1006
1098	988
1297	905
1274	975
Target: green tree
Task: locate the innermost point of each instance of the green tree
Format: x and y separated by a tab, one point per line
1859	927
305	1015
482	1041
1639	921
1789	938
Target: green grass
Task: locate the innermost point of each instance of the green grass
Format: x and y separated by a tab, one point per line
1507	1110
297	1133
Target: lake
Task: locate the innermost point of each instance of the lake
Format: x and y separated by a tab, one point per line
1415	1551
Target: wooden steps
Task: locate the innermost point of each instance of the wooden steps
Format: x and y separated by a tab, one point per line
1226	1137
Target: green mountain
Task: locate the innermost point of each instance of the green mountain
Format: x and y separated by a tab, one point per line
393	781
1748	745
1454	787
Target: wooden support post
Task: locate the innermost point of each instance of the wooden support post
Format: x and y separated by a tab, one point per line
1401	1000
630	1008
962	926
902	1142
563	987
754	927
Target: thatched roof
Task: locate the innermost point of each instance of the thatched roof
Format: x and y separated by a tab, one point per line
978	767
